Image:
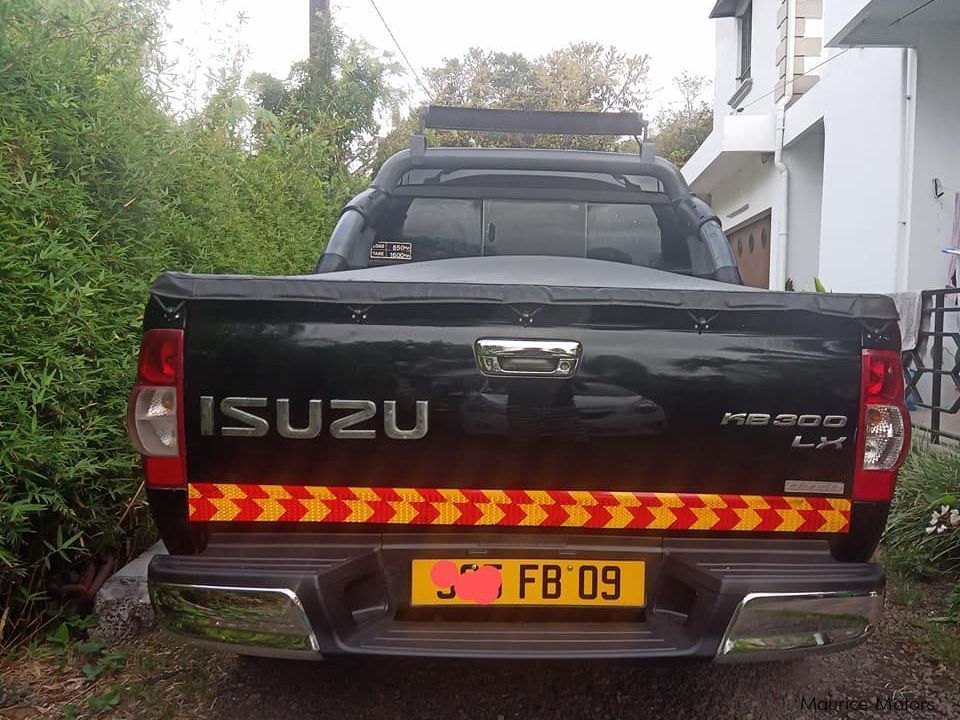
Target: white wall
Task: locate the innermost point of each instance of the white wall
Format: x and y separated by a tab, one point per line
805	160
839	13
763	65
753	183
725	68
859	104
745	176
937	154
863	118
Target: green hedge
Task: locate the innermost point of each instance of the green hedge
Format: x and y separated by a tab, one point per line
100	190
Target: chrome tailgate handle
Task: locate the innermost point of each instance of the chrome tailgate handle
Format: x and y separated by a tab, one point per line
499	357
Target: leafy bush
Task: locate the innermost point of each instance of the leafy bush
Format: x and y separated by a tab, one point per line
100	190
923	532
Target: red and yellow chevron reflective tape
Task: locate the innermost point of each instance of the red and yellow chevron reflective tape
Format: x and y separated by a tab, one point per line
607	510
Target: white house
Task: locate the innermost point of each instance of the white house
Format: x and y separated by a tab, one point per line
836	144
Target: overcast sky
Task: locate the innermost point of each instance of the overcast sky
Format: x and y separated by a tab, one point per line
676	33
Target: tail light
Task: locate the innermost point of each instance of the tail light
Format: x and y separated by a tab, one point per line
154	412
884	425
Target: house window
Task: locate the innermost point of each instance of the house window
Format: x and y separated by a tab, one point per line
746	41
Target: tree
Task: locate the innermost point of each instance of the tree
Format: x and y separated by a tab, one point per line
340	92
680	131
100	190
582	76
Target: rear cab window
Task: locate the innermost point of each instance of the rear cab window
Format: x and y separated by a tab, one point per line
417	229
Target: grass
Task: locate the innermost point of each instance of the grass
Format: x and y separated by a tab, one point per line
929	482
151	676
924	566
915	612
946	646
167	679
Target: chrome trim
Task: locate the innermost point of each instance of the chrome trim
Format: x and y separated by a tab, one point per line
206	415
420	428
543	358
365	410
845	619
253	425
236	623
314	420
817	487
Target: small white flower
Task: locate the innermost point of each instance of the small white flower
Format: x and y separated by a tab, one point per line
943	519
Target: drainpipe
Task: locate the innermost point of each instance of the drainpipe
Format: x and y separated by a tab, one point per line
779	276
783	203
907	151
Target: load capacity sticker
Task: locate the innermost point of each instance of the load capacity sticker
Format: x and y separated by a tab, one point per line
391	250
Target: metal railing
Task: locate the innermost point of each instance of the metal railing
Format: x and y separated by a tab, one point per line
931	335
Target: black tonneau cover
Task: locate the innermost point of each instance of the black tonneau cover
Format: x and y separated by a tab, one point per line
517	279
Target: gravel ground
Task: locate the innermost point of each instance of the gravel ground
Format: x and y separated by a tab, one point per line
900	665
455	690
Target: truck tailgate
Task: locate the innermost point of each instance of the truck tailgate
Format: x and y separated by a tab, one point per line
690	390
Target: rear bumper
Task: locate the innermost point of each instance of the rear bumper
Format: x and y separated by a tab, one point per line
312	595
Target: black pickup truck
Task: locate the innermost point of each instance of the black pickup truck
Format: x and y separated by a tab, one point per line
523	407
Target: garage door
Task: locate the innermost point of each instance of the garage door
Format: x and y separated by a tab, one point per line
750	242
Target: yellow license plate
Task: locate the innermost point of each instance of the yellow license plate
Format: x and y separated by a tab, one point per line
459	581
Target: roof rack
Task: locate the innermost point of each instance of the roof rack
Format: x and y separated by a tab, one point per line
534	122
